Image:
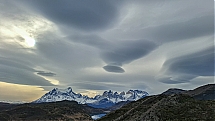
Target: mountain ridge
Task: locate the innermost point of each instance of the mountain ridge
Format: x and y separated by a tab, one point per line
205	92
107	99
52	111
190	105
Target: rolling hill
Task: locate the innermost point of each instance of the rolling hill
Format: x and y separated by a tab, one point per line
191	105
63	110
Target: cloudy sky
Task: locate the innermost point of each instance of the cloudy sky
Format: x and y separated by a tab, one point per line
97	45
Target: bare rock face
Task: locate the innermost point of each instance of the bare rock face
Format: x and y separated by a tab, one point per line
106	100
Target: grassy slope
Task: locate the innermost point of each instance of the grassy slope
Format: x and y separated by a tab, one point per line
164	108
65	110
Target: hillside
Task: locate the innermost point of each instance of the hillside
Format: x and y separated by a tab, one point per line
205	92
5	106
64	110
176	107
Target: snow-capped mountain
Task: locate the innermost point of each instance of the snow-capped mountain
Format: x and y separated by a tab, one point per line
107	99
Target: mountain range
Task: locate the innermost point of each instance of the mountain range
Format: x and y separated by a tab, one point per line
106	100
172	105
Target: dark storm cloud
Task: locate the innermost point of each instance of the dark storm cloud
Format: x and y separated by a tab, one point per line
112	68
83	15
184	68
42	73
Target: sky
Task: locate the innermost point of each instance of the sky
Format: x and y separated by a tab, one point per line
97	45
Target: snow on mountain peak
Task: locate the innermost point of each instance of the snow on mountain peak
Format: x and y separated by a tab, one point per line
69	89
108	97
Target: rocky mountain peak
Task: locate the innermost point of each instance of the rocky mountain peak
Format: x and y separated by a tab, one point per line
108	97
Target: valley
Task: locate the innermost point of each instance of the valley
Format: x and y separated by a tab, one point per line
172	105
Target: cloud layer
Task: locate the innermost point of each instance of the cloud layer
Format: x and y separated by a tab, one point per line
84	15
184	68
95	45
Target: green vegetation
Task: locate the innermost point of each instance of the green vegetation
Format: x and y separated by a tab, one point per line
65	111
165	108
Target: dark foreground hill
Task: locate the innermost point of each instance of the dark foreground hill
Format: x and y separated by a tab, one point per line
64	111
193	105
4	106
205	92
177	107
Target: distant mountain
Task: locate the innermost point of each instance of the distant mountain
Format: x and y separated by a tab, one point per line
53	111
12	102
172	105
206	92
107	99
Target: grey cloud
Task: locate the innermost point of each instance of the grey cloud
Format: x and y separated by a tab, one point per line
97	86
158	22
177	80
128	51
81	34
117	82
200	63
20	76
92	40
90	86
65	54
17	71
83	15
123	79
193	28
112	68
169	81
42	73
54	49
14	63
140	86
183	69
118	53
